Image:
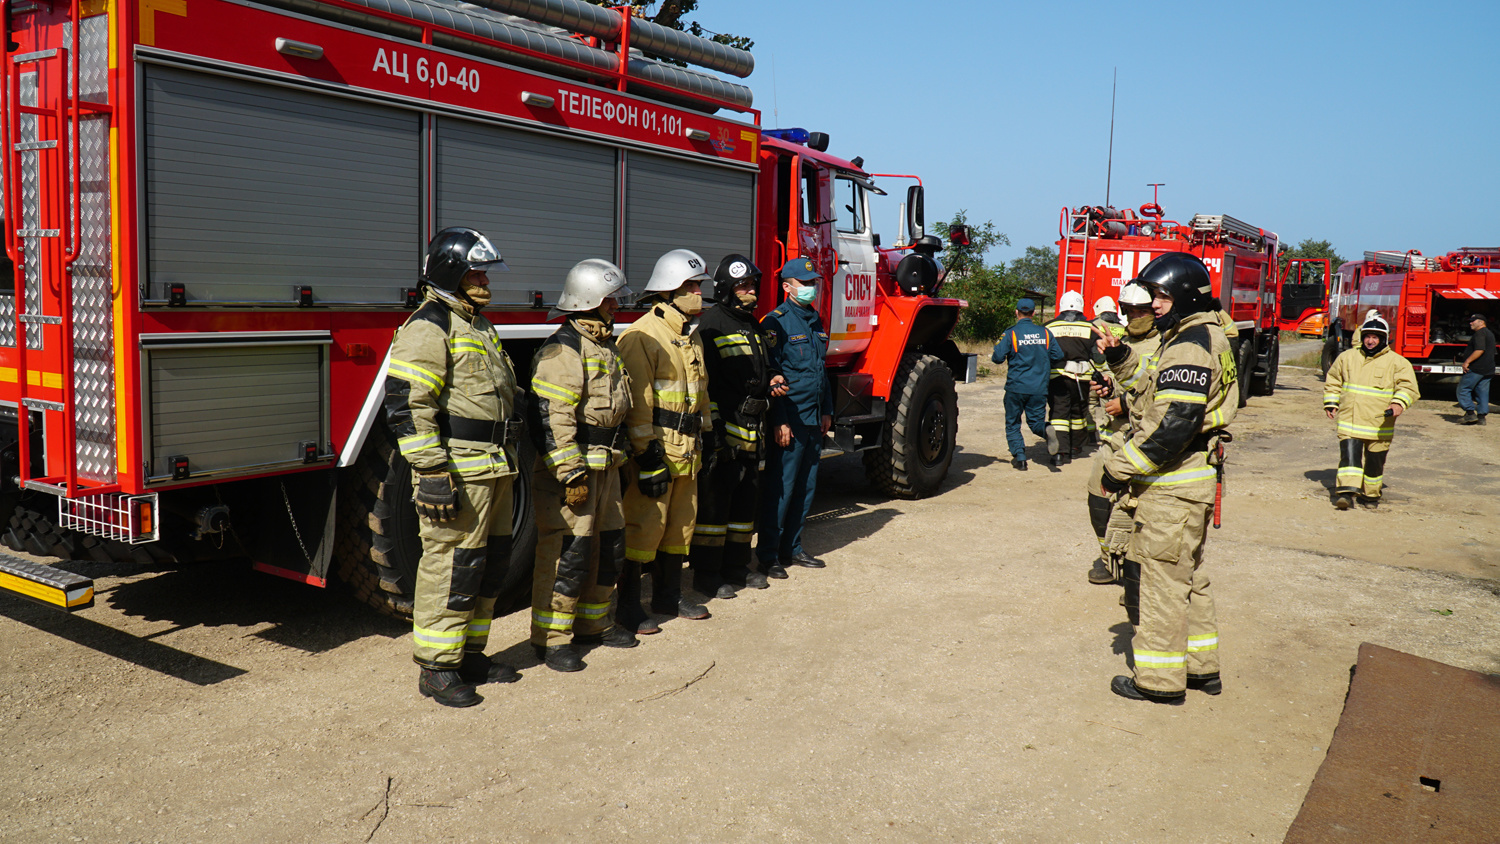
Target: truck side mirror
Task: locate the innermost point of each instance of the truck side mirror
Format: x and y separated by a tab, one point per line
916	216
958	235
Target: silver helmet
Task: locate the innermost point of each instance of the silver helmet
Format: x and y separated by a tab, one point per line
675	269
589	283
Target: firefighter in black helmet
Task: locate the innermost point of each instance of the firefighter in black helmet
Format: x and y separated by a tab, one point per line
450	398
1169	467
741	384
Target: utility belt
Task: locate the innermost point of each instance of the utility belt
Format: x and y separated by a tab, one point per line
501	432
685	423
600	435
1078	368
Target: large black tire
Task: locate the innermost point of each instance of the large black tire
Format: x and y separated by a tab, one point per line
1265	385
378	545
921	430
1331	352
1245	360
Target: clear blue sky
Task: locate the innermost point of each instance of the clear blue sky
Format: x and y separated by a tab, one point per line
1374	125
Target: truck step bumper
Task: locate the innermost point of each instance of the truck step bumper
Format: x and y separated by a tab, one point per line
45	584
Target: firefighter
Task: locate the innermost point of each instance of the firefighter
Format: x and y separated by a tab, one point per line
450	392
580	396
1106	319
741	385
1111	521
1028	352
1170	465
1068	389
800	420
1365	390
668	421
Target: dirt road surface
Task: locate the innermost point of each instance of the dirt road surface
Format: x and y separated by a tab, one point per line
944	679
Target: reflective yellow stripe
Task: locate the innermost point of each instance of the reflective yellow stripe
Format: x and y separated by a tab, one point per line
439	640
416	374
1181	476
552	620
597	365
736	351
1330	398
1369	391
552	391
479	627
1365	432
557	456
1217	418
462	345
593	612
1203	642
1133	453
745	434
1349	473
741	527
1180	395
731	340
417	442
482	463
1403	398
597	459
637	555
1155	658
675	549
711	530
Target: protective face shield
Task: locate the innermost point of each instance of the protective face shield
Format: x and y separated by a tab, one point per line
675	269
1070	301
453	253
588	283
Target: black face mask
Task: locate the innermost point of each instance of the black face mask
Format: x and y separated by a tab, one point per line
1168	321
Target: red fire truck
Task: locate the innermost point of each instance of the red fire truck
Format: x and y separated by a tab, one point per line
1102	248
1426	302
215	211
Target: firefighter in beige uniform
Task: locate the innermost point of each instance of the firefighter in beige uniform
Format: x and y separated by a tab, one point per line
580	395
1170	465
1112	520
1365	390
450	391
668	419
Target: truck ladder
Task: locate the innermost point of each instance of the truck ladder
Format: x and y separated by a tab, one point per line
1412	260
1075	249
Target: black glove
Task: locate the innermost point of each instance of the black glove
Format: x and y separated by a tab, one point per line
652	475
436	497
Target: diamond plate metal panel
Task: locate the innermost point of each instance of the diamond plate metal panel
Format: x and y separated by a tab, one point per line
93	50
31	214
93	307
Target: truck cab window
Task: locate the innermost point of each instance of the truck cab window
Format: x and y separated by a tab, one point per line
849	202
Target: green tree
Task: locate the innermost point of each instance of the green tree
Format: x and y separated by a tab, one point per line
1036	271
990	291
672	14
1310	248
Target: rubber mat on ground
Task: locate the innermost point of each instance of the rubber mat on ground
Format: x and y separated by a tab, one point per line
1415	757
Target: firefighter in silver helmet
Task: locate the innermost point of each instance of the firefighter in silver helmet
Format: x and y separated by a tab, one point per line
450	395
668	423
1365	391
580	394
1169	464
1112	520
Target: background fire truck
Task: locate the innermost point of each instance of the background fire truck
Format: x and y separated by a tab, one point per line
1426	301
1101	248
216	210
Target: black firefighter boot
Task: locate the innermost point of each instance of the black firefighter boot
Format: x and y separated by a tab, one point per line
707	563
447	687
628	611
666	589
1099	510
737	567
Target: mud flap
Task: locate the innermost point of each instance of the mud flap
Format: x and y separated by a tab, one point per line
287	525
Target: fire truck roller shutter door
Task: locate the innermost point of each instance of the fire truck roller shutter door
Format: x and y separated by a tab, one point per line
675	204
546	201
256	189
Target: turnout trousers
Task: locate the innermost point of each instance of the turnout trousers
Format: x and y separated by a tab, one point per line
1070	414
728	497
791	479
1177	635
660	524
1113	522
1361	466
459	577
579	554
1034	405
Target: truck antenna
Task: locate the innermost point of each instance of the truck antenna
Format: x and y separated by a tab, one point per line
1109	173
775	101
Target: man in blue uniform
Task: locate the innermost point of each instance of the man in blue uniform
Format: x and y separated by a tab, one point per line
797	344
1030	351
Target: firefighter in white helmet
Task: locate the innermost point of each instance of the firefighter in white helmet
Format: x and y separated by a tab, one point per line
667	424
450	392
1366	389
1106	320
1112	521
1067	392
580	394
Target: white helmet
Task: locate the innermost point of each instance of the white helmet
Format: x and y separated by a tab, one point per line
1135	295
1070	301
1104	305
589	283
1376	323
676	268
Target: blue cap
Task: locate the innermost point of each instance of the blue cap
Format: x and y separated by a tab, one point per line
800	269
1025	305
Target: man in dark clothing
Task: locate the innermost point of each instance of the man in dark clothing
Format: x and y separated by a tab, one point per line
1479	367
1069	388
1030	352
741	385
